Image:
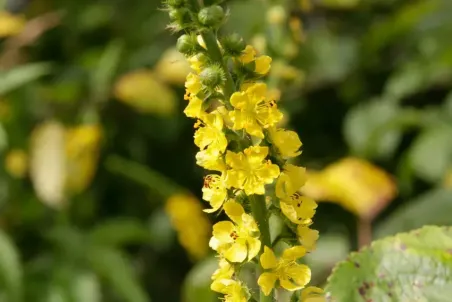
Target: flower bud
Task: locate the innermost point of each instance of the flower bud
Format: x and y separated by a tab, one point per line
187	44
233	45
211	16
180	16
212	77
175	3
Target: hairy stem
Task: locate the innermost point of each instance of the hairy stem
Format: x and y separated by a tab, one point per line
259	210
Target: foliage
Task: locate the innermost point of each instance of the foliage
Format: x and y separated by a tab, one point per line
363	80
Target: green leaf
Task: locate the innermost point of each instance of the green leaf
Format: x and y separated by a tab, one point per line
10	269
431	153
15	78
103	74
415	266
86	288
119	231
365	132
197	283
111	265
433	207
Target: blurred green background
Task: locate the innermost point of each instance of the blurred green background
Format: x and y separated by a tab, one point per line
99	191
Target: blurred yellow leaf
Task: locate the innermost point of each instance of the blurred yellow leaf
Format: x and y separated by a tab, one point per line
143	92
47	162
10	25
447	182
16	163
355	184
172	67
190	222
82	153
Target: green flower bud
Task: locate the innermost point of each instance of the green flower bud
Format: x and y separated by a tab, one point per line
211	16
175	3
180	16
212	77
187	44
233	45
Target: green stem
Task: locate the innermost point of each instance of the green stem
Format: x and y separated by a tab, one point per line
259	210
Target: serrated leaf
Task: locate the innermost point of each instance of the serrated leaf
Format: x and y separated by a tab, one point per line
111	265
364	129
431	153
197	283
433	207
15	78
10	269
415	266
119	231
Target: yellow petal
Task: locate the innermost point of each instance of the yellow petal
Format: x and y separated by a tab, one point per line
10	25
256	154
300	275
307	237
239	100
234	211
289	285
248	54
312	294
263	64
268	259
257	91
293	253
287	142
254	246
237	252
290	181
194	108
222	231
266	282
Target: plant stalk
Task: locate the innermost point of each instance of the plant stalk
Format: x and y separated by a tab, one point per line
259	210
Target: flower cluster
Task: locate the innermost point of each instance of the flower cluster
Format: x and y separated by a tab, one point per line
246	153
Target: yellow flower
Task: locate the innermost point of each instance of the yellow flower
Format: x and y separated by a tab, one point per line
312	294
250	171
287	142
194	108
299	209
224	271
210	160
196	63
291	179
16	163
248	54
10	25
253	111
291	275
232	289
359	186
239	240
191	224
307	237
262	63
192	84
172	67
143	92
211	136
214	191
